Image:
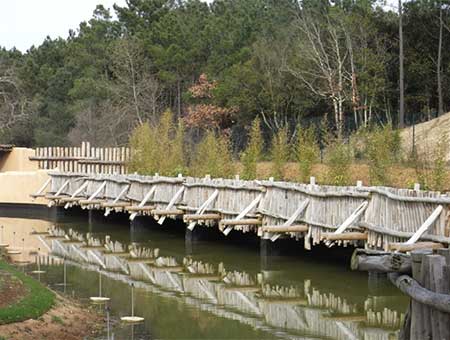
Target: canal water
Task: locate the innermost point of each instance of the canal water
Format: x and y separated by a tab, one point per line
207	286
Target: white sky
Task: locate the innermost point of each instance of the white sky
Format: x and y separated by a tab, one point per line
27	22
24	23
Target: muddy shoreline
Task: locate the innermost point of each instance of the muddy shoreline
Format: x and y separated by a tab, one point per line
68	319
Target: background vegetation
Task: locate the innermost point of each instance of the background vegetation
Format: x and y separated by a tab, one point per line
190	78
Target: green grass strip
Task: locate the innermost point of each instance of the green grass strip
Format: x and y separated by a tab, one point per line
36	302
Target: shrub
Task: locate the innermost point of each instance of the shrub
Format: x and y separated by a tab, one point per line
142	145
306	151
439	172
158	148
213	157
338	159
177	160
382	150
252	154
279	153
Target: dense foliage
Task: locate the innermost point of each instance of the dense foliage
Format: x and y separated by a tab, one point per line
221	65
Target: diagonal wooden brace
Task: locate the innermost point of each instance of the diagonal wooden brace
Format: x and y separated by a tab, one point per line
108	210
78	191
350	220
244	212
41	189
145	199
65	184
172	203
300	211
203	208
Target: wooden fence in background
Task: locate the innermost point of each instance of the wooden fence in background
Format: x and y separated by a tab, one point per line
83	159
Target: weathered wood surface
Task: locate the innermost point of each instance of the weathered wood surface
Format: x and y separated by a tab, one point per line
423	276
403	247
378	261
84	159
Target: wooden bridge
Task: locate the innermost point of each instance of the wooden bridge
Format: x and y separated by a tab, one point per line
373	217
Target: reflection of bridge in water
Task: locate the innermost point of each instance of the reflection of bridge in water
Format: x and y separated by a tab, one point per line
256	299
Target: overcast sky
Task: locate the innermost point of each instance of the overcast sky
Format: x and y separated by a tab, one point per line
24	23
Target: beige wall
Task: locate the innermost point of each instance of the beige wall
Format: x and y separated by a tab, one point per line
17	186
22	229
18	160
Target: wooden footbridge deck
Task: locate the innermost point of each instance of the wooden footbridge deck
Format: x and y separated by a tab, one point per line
374	217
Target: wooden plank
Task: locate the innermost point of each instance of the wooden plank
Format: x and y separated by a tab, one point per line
140	208
204	217
288	229
350	236
402	247
167	212
248	221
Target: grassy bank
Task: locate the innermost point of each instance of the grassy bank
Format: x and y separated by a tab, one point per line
36	301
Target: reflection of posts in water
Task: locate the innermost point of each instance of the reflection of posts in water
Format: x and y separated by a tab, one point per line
427	283
95	216
191	238
376	282
138	227
266	252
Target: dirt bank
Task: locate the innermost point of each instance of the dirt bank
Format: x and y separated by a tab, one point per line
67	320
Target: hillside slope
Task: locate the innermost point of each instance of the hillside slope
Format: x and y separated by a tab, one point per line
427	135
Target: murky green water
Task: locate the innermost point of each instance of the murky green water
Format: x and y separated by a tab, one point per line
291	295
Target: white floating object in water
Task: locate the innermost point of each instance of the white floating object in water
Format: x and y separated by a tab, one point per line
99	299
38	272
13	252
22	261
132	319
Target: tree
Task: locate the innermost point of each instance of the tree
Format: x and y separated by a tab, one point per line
401	118
279	153
252	153
306	151
15	108
213	156
319	59
204	114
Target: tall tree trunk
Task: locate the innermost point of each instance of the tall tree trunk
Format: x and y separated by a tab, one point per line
179	98
439	64
401	118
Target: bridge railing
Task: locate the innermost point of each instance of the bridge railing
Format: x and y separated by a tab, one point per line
83	159
379	217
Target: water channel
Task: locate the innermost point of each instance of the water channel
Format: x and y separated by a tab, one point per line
218	288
